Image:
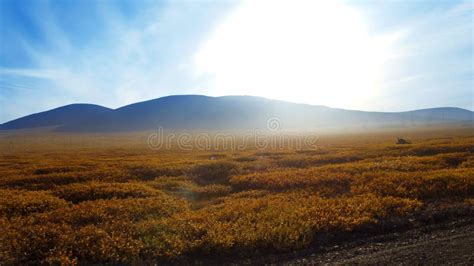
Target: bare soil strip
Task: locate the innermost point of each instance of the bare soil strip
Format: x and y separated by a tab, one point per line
450	243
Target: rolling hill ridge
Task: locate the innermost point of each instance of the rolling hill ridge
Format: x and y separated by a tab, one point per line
227	112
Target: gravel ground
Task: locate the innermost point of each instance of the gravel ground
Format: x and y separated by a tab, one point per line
444	244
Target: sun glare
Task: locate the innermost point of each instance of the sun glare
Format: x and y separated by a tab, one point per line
317	52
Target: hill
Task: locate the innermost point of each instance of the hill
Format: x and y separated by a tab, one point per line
69	114
227	112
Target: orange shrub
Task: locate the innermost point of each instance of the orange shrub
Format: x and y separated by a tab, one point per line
114	201
302	161
17	202
44	182
171	183
93	231
109	211
325	182
150	173
217	172
429	150
29	242
213	190
245	159
436	185
280	222
93	191
58	169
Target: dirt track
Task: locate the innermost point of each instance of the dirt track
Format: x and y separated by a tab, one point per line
445	244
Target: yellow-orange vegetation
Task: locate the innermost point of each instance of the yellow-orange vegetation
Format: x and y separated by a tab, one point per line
70	199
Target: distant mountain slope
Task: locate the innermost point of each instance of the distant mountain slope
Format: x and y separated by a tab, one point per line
68	114
444	113
228	112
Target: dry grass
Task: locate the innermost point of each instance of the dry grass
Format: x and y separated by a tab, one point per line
68	199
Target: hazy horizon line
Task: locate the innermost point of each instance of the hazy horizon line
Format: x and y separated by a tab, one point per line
237	95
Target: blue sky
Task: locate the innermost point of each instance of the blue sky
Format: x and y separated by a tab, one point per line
368	55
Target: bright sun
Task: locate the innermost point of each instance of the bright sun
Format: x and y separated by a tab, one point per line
317	52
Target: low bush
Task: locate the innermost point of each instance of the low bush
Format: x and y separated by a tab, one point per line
46	181
326	183
301	161
118	202
276	222
422	185
58	169
17	202
218	172
94	191
245	159
210	191
150	173
103	231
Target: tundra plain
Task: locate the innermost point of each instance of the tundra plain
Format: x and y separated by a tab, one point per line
110	198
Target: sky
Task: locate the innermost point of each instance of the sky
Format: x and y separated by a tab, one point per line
364	55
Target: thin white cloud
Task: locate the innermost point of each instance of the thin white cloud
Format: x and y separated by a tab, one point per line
436	69
133	59
32	72
318	52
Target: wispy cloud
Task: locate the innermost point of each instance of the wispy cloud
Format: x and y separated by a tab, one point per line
32	73
319	52
129	59
437	66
